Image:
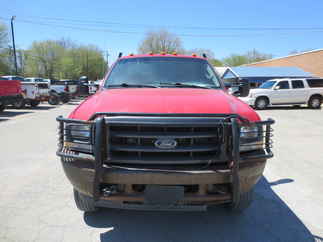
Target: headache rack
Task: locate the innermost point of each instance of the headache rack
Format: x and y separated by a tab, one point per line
163	140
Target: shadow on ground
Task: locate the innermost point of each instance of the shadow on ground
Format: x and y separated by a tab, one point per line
6	114
28	108
268	219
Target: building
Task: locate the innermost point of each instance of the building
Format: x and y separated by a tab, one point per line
257	75
310	61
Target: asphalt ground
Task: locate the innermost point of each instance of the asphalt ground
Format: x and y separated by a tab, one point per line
36	202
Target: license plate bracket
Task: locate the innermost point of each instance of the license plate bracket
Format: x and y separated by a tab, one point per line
157	194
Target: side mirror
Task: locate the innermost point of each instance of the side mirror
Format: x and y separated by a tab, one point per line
227	85
276	87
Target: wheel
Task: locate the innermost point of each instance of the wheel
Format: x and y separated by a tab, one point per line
261	103
34	103
2	107
19	104
315	102
83	202
65	98
53	99
244	203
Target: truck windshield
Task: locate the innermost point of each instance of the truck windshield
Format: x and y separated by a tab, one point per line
162	72
267	85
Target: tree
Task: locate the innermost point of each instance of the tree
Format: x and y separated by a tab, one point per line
255	56
63	59
4	50
247	58
216	62
160	41
235	60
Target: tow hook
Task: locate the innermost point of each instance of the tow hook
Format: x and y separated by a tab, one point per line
110	190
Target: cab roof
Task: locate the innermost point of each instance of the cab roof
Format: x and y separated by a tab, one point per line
193	56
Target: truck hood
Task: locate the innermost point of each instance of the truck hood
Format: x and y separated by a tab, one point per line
163	100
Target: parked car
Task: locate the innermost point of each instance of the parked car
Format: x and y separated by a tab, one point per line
10	91
163	134
72	87
58	92
287	92
93	86
34	90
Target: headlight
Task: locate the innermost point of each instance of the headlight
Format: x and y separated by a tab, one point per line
83	131
251	138
78	137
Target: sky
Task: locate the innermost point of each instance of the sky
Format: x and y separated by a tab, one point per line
226	27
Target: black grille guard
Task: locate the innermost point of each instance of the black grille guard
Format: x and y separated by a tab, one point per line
100	136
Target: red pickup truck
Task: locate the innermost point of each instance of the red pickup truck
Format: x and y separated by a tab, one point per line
10	90
162	133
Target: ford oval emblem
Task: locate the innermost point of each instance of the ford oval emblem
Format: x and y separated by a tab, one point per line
165	143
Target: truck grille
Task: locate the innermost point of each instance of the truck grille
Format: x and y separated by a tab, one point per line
164	144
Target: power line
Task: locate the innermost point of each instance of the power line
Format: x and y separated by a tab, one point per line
96	22
84	27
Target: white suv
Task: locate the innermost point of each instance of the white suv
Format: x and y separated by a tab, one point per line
287	92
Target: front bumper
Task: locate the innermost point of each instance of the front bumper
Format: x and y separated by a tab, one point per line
248	100
221	180
81	175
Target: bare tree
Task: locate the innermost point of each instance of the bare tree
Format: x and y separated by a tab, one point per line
160	41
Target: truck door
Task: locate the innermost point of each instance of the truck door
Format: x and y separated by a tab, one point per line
281	93
299	93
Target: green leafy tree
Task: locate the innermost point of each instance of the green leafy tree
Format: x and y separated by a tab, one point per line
4	50
235	60
64	59
247	58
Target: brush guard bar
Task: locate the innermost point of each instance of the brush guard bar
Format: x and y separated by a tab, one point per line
99	138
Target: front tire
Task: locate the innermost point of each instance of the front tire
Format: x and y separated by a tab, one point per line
315	102
34	103
83	202
65	98
53	100
19	104
261	103
2	107
245	201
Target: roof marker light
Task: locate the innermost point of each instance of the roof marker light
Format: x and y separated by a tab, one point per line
194	55
131	54
163	53
174	53
151	53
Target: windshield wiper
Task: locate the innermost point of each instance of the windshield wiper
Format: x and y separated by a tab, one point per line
126	85
179	84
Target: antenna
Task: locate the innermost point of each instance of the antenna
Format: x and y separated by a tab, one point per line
120	55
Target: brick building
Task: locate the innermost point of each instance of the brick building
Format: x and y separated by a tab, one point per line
310	61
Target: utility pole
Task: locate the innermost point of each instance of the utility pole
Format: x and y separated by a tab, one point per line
13	44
